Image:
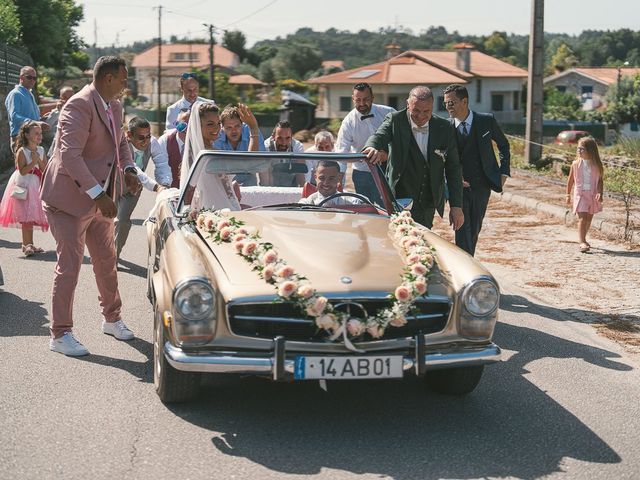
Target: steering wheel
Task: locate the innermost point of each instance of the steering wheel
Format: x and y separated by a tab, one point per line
346	194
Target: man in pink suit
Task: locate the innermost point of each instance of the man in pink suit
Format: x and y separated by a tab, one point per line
78	192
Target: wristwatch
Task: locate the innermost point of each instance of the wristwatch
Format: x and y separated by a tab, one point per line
131	169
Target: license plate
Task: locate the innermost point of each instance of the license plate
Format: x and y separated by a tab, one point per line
346	368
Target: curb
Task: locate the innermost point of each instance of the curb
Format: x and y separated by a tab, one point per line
605	226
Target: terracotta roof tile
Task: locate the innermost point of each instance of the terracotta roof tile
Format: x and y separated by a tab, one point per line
607	75
245	80
177	55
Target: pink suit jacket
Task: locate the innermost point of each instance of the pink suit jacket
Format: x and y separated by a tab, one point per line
84	153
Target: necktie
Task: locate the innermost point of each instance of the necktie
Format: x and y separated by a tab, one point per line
138	160
424	129
464	130
364	117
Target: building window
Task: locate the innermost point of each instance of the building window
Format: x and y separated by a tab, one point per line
587	91
497	102
516	100
345	104
440	102
183	56
478	90
561	88
393	102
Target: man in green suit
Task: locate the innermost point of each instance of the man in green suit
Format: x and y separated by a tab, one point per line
421	151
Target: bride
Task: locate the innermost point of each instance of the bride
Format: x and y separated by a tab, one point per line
204	128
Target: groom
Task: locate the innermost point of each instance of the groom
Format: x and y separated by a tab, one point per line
422	152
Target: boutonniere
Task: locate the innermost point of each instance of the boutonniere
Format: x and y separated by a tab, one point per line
441	153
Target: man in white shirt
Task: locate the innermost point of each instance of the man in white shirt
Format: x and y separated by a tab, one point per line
327	178
281	140
189	87
359	124
143	147
322	142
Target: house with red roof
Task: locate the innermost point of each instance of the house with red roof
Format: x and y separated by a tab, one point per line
494	85
176	59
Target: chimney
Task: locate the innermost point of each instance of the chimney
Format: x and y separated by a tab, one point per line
393	49
463	56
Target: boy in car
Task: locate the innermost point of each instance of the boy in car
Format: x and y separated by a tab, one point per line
328	176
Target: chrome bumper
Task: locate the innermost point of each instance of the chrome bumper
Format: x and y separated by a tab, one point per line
279	366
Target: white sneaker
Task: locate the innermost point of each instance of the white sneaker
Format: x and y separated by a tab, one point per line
117	329
68	345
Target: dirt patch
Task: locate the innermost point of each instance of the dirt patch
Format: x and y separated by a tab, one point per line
620	330
543	284
503	261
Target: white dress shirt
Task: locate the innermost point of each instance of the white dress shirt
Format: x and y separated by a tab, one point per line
422	138
164	138
174	110
354	132
316	198
468	121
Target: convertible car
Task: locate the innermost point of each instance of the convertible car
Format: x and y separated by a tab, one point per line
297	290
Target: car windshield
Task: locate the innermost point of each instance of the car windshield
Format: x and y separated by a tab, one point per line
276	180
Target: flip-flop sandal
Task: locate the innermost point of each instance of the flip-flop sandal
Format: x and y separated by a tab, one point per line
37	249
584	247
28	250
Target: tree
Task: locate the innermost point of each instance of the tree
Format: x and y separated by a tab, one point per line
235	41
48	30
10	26
294	60
497	45
561	106
563	58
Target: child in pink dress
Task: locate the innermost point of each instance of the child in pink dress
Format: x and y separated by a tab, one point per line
27	212
586	180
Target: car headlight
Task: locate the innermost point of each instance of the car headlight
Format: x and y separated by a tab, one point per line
481	298
479	311
194	313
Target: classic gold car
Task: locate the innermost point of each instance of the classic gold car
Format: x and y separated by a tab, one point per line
332	289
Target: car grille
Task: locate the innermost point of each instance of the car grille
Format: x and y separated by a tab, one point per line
269	320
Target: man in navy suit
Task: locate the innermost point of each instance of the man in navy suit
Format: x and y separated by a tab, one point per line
481	173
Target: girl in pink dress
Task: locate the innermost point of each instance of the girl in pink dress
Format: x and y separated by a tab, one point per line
586	180
26	212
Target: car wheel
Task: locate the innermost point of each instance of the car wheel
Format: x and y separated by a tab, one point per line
172	386
454	381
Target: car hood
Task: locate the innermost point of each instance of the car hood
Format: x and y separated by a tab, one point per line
337	252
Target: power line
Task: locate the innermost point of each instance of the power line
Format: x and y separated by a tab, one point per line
252	14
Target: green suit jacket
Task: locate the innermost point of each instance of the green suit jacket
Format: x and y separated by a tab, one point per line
394	136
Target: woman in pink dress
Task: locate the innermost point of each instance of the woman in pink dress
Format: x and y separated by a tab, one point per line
586	180
16	210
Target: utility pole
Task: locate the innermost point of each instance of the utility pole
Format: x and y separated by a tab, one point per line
95	41
535	99
159	111
212	86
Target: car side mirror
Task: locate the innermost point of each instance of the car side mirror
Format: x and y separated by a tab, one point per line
405	203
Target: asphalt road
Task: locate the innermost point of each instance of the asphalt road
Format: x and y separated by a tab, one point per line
564	404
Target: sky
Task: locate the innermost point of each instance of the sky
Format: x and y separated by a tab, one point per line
123	22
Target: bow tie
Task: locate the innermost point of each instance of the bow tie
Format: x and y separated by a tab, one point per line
366	116
424	129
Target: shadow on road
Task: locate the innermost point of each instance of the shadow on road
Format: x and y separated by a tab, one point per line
131	268
142	370
22	317
520	304
507	428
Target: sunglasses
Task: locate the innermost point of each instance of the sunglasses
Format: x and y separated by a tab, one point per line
30	77
140	138
188	75
449	103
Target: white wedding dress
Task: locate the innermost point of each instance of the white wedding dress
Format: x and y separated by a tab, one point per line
213	190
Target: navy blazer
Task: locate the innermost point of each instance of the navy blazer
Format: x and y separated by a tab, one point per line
487	130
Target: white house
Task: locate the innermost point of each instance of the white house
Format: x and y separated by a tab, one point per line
494	86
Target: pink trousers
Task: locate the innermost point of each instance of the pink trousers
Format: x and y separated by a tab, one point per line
71	235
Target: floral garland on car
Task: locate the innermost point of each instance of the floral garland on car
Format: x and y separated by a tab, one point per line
407	236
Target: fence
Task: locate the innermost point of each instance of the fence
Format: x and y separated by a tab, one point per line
12	59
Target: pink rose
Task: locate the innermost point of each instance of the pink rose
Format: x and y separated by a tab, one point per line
237	238
355	327
249	248
420	286
402	294
225	233
267	273
305	291
286	289
419	269
238	246
403	228
317	306
285	272
409	242
222	224
243	230
415	232
327	322
428	260
398	321
270	257
209	223
376	331
200	220
413	258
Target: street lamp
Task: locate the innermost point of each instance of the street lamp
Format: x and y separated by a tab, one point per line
619	80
